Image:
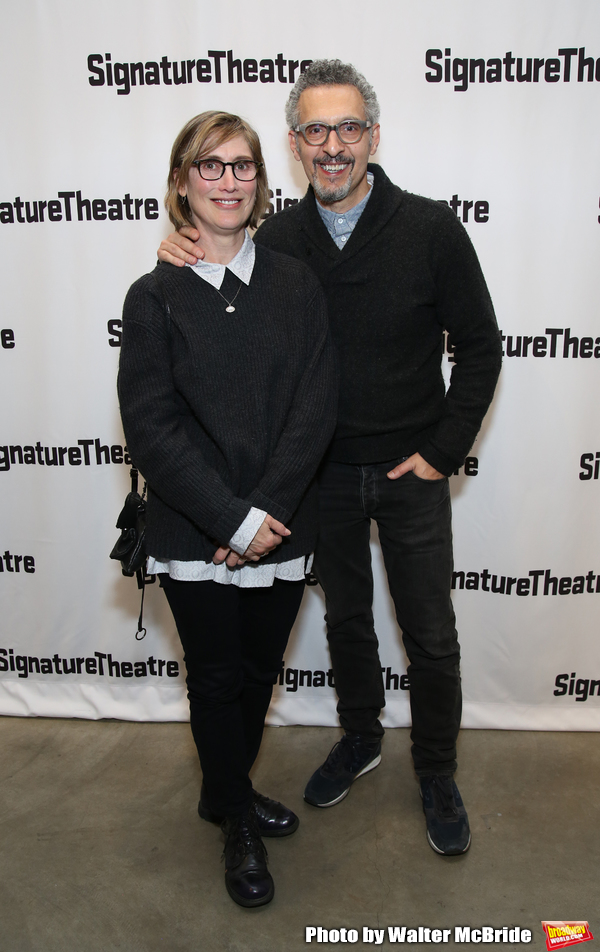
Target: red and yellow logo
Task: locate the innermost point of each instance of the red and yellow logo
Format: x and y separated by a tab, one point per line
560	934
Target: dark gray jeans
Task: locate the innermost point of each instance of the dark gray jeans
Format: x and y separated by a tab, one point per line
414	520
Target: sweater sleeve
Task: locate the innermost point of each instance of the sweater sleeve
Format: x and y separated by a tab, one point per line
465	310
158	426
309	424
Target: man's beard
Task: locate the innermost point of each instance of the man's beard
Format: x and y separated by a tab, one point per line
328	196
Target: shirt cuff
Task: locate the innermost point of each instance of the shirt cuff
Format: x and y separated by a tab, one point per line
244	535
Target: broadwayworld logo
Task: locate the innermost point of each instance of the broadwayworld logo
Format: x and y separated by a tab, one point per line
462	71
562	933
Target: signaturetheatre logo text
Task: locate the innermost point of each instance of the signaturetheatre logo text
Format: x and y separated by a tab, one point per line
571	64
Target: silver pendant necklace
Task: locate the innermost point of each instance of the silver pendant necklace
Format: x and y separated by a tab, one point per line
230	309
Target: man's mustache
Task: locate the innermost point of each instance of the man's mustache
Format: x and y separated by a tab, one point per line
340	159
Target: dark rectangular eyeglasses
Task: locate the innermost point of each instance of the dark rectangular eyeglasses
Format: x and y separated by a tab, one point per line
245	170
347	131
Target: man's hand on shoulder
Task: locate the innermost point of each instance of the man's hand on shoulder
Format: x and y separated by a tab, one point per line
179	248
418	465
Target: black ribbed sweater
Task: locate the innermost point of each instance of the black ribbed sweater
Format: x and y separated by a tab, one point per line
223	412
407	272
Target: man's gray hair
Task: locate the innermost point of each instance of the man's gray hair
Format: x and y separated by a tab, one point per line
331	73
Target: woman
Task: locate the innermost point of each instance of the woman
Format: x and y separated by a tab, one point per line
227	391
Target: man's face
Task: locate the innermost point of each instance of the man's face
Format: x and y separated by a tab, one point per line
337	171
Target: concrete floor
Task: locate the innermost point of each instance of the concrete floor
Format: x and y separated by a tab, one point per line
101	848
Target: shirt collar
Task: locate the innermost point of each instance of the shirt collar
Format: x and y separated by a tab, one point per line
242	265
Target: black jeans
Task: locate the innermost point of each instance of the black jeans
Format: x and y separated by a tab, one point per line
233	639
414	520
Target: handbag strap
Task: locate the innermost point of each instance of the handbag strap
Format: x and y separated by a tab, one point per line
134	473
141	573
141	580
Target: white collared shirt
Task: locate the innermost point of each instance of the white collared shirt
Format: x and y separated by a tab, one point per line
242	265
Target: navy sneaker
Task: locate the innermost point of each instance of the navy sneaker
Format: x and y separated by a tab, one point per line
447	822
353	756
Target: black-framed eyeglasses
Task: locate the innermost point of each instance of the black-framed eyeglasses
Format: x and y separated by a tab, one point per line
245	170
347	131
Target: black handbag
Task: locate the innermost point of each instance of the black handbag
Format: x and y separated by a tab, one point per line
130	547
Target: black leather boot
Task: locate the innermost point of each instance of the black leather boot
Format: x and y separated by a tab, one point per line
248	881
273	818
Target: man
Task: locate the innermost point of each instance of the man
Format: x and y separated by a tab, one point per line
397	270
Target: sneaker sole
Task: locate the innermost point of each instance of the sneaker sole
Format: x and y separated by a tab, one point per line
374	763
443	852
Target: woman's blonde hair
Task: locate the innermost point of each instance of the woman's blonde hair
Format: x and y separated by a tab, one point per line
198	137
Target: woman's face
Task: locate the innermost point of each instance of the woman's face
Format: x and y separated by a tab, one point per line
221	207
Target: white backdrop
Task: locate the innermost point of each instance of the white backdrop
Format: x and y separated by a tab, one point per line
491	107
